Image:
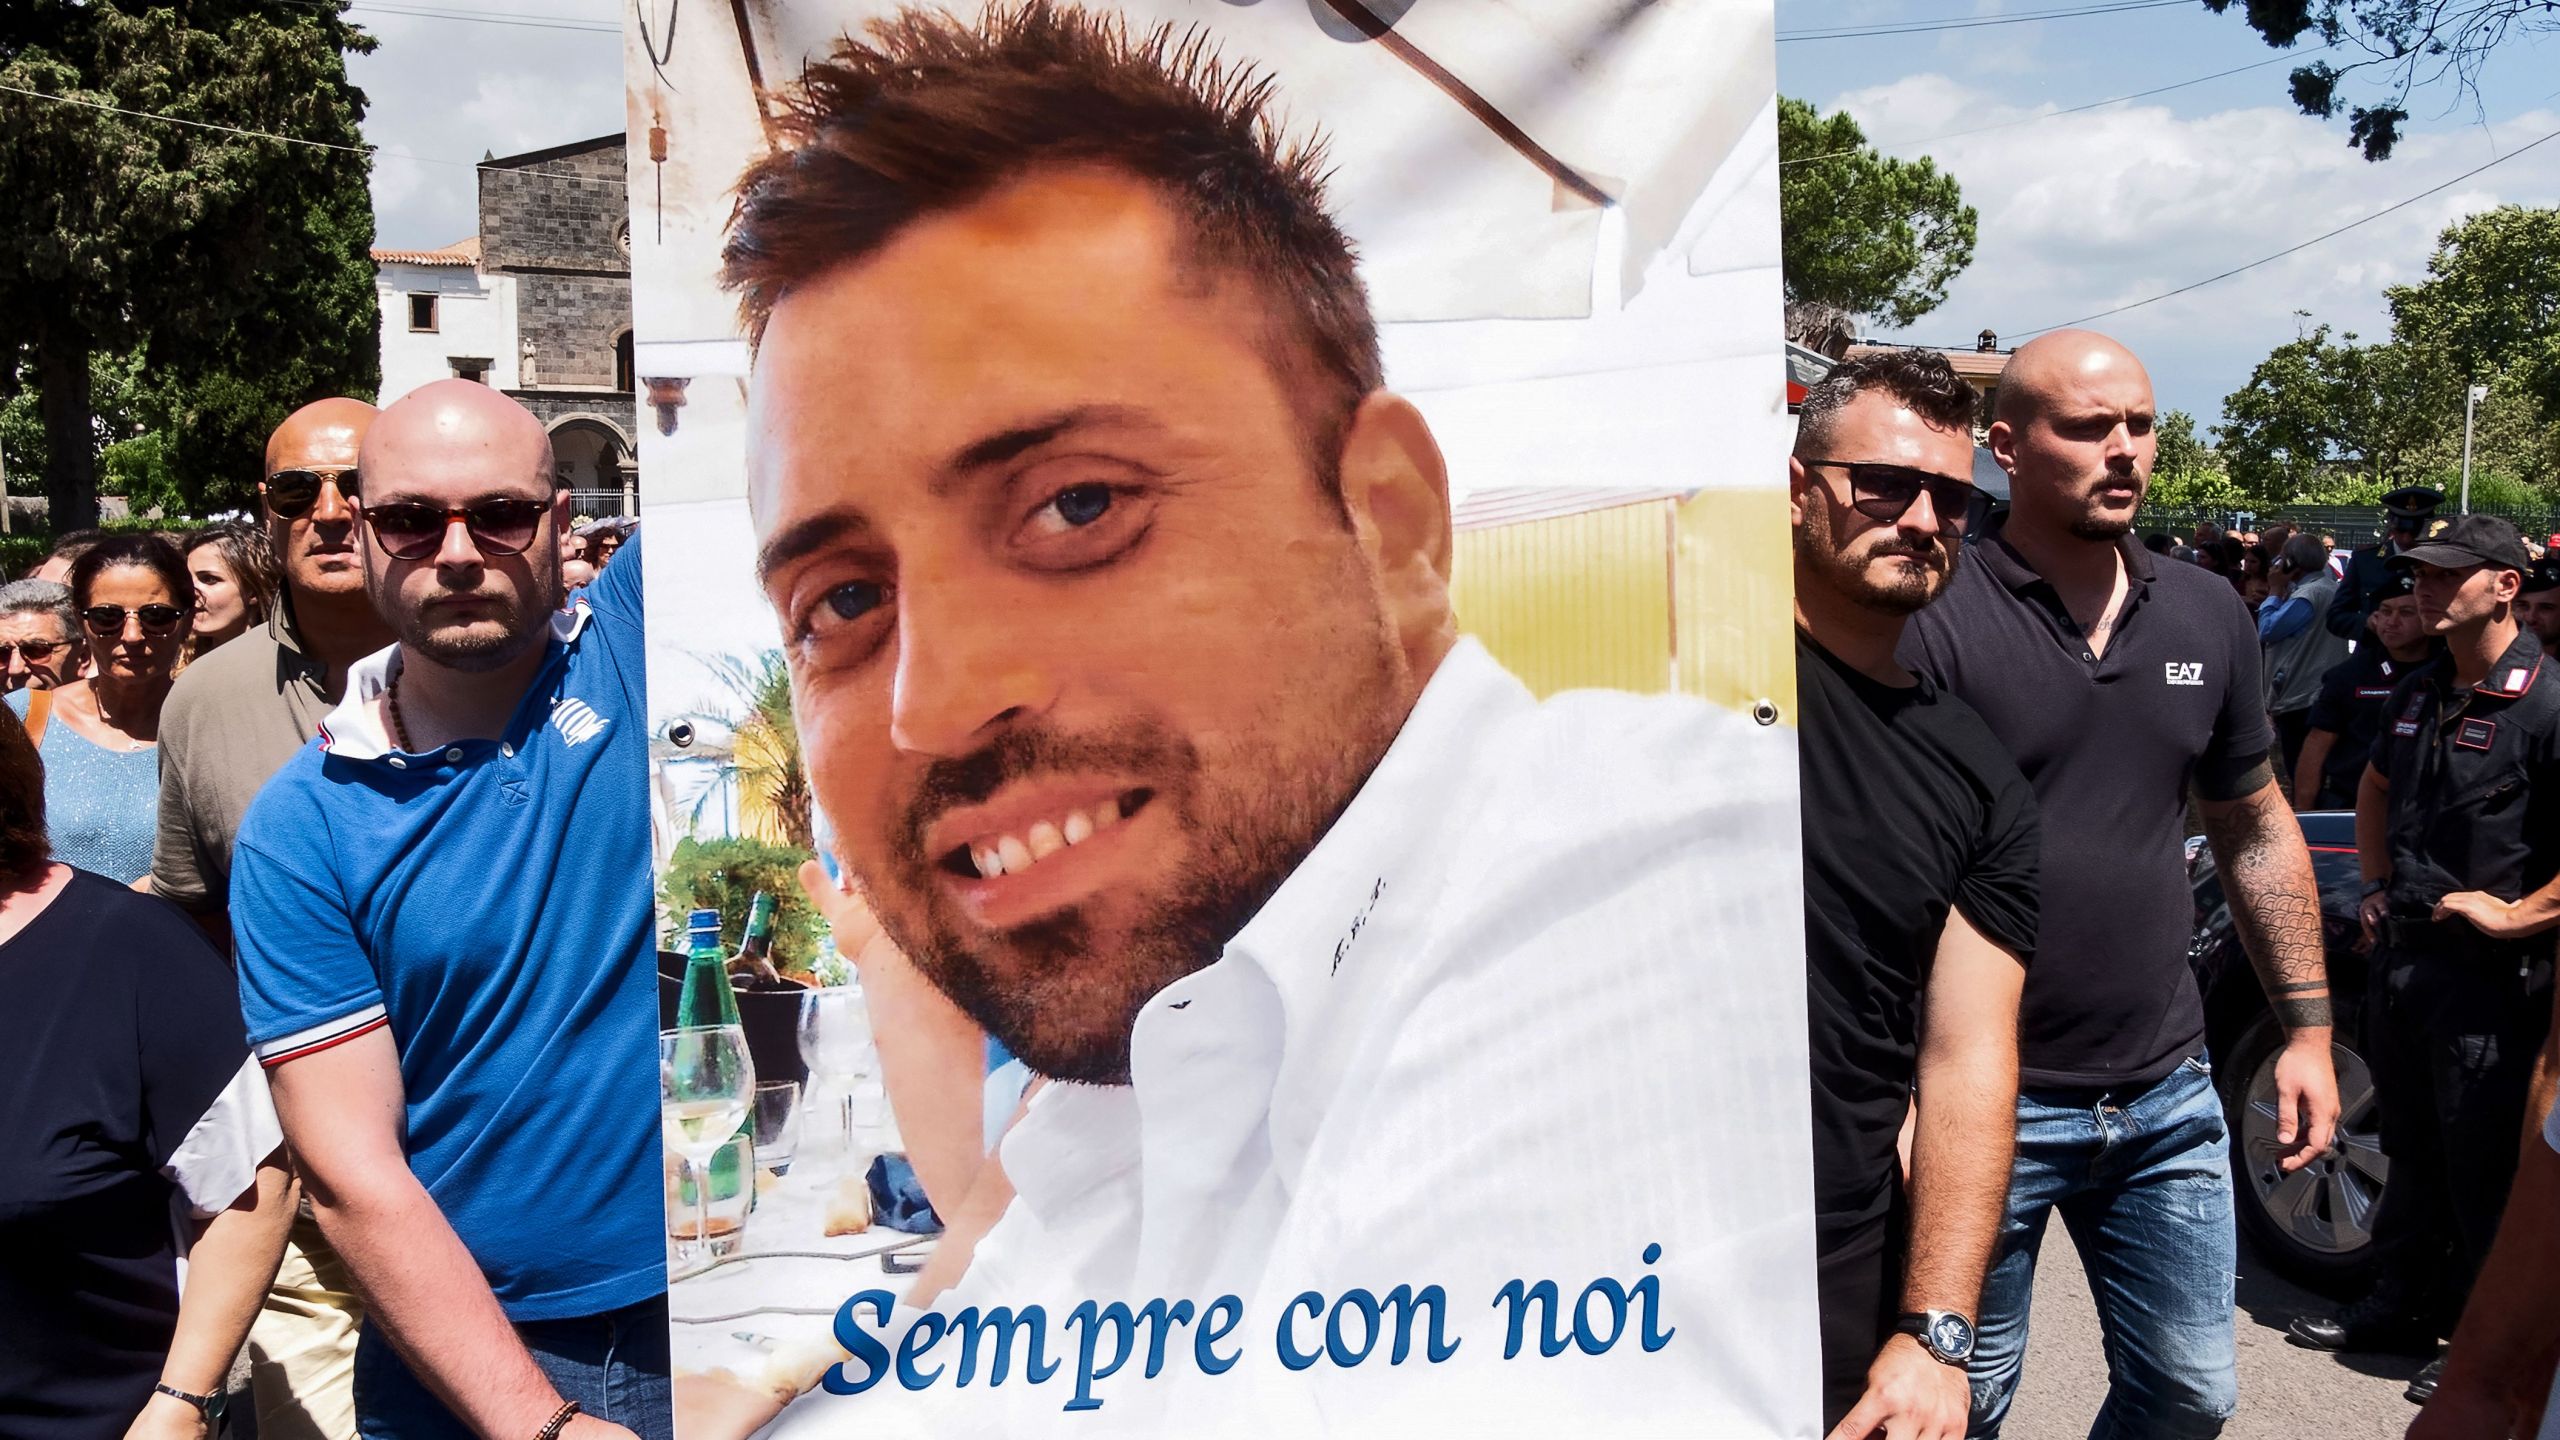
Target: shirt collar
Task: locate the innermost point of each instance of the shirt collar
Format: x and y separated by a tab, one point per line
354	730
1419	793
2011	569
2513	674
281	624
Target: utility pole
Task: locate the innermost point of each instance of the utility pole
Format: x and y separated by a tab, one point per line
2470	397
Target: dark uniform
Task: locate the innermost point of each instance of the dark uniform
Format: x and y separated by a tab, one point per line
2368	571
2455	1018
2353	696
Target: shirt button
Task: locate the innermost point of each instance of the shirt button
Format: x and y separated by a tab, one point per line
2085	655
397	763
454	754
508	750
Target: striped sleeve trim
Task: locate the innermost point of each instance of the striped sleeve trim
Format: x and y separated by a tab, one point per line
320	1037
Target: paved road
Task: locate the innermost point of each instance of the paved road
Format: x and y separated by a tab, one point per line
2286	1392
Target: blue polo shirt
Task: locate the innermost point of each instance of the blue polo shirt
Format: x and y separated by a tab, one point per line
489	903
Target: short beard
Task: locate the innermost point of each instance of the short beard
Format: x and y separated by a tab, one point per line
2102	527
1059	997
520	630
1847	575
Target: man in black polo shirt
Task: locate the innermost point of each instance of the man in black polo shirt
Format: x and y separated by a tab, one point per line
1920	900
2348	713
2120	684
2458	824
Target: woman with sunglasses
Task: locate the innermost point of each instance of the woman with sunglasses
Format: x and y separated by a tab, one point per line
100	737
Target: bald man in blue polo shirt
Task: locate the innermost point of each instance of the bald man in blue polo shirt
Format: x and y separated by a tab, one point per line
442	914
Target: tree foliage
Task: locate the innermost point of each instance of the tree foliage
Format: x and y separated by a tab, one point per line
233	267
2321	416
725	875
763	741
2394	48
1862	231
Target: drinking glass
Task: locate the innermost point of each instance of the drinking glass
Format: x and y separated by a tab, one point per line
706	1084
835	1041
777	1118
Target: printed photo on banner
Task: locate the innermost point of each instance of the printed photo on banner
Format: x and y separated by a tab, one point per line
1221	702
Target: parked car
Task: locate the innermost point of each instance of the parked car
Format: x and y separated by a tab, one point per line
2314	1226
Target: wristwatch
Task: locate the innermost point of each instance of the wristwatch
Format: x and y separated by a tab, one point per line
209	1406
2376	887
1946	1335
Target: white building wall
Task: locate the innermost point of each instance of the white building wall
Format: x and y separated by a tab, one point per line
475	319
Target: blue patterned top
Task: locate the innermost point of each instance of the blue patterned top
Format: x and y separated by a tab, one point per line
101	806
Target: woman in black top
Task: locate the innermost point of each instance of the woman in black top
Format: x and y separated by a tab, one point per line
134	1129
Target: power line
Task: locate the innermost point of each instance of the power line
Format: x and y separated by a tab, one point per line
2295	249
2057	114
366	150
582	27
1924	27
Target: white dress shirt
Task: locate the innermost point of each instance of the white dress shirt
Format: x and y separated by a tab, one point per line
1535	1002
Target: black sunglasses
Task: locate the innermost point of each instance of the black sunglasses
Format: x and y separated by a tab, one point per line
408	531
109	619
292	493
1885	492
36	651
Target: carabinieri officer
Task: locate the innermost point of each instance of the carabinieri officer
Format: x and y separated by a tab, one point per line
2353	696
2406	513
2458	825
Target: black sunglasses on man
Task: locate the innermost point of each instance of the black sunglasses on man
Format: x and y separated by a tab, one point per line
1884	492
290	494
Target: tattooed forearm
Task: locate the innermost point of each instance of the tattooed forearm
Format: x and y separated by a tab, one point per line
2275	901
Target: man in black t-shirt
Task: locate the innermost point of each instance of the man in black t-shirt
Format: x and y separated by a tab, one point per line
2123	686
2353	694
1920	854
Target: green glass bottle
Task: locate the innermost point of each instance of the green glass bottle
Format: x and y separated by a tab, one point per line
752	966
707	999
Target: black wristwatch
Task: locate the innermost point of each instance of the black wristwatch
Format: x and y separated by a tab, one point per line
209	1406
1946	1335
2376	887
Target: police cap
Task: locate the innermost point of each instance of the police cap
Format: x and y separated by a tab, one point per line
2467	540
2543	575
2412	502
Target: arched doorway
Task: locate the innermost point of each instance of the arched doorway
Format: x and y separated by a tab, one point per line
589	452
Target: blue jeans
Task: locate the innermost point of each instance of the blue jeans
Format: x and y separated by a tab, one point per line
2142	1177
614	1365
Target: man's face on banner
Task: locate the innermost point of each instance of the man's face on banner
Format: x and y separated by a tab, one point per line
1086	654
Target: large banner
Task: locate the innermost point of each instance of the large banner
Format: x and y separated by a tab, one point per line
1249	539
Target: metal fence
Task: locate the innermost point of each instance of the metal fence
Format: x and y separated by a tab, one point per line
2352	525
597	504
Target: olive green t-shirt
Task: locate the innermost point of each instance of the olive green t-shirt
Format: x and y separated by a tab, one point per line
229	724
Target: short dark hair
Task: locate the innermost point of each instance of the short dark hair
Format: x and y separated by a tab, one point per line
934	112
143	551
1921	380
24	845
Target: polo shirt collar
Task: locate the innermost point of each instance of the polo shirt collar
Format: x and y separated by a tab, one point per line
354	730
2011	569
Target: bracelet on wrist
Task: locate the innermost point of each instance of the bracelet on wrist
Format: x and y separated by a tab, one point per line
559	1420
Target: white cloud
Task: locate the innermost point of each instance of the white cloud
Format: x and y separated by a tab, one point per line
452	91
2082	213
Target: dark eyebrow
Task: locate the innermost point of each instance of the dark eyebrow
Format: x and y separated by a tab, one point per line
1011	443
802	538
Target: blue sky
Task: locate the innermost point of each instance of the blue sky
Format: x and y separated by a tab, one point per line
2080	213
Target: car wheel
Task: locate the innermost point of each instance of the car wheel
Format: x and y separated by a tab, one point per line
2314	1226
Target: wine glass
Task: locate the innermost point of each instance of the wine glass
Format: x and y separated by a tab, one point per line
835	1040
706	1082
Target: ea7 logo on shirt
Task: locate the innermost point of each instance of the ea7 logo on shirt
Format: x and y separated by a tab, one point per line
2183	672
577	722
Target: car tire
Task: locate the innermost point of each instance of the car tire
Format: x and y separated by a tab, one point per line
2314	1226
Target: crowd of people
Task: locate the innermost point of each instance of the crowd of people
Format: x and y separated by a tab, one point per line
1946	652
386	749
161	685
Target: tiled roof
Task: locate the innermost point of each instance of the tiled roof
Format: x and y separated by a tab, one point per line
1973	365
465	251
